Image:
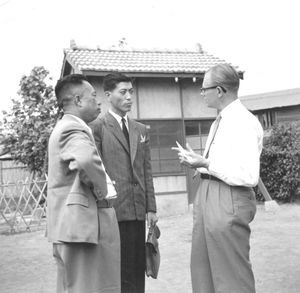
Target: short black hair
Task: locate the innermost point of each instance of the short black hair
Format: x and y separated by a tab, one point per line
111	80
64	83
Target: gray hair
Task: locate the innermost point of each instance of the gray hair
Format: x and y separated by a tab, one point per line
225	75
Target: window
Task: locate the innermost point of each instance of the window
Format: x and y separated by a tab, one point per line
266	119
196	133
163	136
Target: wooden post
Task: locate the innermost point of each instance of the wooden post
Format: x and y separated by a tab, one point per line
1	173
264	190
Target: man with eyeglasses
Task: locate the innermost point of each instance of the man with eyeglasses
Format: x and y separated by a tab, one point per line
225	202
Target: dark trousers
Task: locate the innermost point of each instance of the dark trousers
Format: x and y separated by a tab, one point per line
132	237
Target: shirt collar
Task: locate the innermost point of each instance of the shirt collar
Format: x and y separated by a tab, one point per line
118	117
231	107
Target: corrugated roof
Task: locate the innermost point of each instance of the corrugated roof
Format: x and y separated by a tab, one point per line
141	61
271	100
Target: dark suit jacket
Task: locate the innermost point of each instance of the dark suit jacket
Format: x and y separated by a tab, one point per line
72	213
130	168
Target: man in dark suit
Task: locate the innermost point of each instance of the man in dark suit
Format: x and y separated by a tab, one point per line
124	147
80	220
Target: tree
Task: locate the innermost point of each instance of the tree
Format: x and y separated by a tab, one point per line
280	162
27	126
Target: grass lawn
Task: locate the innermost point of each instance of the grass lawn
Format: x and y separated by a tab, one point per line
27	264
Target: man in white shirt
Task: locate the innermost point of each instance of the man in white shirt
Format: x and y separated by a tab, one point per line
225	202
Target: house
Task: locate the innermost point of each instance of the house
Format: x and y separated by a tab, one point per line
274	107
167	99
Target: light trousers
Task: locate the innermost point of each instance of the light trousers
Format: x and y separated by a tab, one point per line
91	268
220	241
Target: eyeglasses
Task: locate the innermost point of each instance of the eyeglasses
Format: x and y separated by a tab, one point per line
204	89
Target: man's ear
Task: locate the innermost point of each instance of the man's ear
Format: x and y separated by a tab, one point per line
220	92
77	100
107	95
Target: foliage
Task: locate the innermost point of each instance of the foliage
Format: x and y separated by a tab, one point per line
280	162
27	126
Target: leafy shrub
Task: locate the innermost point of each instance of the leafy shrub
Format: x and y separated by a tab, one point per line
27	126
280	162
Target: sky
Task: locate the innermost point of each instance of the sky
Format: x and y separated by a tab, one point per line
259	36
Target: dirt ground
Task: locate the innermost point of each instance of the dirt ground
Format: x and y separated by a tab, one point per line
27	264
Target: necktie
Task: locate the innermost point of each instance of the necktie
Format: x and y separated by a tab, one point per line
214	131
125	131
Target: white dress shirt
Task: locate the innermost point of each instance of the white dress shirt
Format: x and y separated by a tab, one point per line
235	150
111	191
119	119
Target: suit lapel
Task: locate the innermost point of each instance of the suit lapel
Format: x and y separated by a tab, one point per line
133	139
116	131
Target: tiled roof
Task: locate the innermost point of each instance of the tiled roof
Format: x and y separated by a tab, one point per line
284	98
145	61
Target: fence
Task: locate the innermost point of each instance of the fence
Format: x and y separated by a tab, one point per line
22	201
12	172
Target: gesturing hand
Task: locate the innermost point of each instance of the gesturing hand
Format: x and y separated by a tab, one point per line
191	159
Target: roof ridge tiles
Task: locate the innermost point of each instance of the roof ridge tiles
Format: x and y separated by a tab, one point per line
137	50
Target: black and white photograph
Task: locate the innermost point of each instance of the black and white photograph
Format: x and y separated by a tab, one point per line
149	146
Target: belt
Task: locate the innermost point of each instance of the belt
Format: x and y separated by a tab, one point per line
209	177
104	203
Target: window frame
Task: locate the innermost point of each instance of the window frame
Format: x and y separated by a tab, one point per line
180	139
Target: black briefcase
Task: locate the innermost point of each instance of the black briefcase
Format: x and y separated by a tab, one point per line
152	252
